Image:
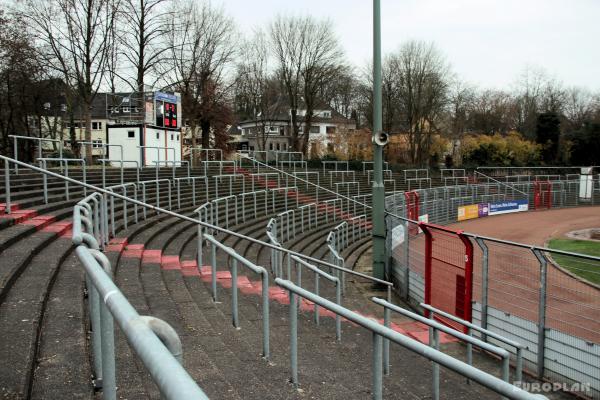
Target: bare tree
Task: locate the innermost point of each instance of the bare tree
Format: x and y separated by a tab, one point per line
422	73
461	97
75	38
20	71
308	54
145	24
578	107
255	87
491	112
202	42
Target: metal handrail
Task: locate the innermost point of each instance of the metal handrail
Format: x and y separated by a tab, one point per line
234	303
157	183
336	163
502	183
193	180
471	327
61	160
221	163
318	272
122	162
166	370
112	204
381	332
174	165
434	327
173	214
39	140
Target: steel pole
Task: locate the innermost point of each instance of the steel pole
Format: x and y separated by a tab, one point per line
378	189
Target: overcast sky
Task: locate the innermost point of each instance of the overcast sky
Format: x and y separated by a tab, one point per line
487	42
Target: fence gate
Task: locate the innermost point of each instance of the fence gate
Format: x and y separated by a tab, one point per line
542	194
448	272
412	209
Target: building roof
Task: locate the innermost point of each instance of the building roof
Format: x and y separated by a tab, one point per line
280	112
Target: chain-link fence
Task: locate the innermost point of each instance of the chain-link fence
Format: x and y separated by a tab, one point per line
547	299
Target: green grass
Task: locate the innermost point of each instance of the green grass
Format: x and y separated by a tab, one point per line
587	269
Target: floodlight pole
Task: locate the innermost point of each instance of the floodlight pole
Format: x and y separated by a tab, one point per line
378	188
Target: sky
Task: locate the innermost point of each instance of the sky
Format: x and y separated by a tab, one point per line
488	43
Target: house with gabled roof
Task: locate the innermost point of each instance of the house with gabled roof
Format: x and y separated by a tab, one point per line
273	132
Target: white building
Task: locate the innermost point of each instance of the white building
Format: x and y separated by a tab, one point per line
135	122
278	127
154	136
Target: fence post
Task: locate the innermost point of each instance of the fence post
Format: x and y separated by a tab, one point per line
406	245
484	284
542	312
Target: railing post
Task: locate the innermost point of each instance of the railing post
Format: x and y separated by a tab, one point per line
376	367
213	264
484	284
234	293
94	300
265	310
45	182
7	209
15	153
338	319
294	337
541	313
434	342
107	339
316	306
199	246
386	342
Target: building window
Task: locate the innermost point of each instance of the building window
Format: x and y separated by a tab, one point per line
281	130
131	134
96	125
273	128
326	114
270	146
315	129
251	148
97	144
125	109
285	146
331	129
171	136
178	137
157	135
278	148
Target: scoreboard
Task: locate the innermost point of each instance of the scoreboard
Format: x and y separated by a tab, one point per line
166	110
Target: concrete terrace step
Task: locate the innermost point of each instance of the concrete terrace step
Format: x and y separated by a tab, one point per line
22	310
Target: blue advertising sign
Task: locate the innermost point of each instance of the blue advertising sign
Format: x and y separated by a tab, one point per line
509	206
171	98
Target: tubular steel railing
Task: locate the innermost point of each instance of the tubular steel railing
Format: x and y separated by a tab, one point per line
485	334
380	333
434	329
66	161
121	162
40	141
154	341
268	245
234	294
